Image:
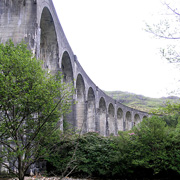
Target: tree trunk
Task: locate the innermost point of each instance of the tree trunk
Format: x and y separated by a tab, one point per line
20	169
21	174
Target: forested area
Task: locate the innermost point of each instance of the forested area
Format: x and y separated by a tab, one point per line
150	150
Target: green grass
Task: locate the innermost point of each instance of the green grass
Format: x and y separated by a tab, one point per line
141	102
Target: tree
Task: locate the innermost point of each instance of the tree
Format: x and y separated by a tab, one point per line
168	29
32	102
156	146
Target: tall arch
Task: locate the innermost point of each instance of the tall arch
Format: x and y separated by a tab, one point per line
91	126
80	105
120	119
136	119
49	50
111	119
102	117
66	67
67	72
128	120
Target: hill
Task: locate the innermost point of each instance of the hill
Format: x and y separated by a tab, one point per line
141	102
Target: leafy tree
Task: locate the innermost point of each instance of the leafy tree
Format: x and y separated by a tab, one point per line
171	120
93	157
150	136
95	154
32	102
170	113
168	29
150	150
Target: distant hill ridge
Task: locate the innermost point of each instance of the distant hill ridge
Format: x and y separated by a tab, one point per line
141	102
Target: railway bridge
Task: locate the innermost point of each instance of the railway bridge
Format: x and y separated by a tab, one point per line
36	22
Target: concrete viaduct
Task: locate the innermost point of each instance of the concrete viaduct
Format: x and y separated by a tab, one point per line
36	22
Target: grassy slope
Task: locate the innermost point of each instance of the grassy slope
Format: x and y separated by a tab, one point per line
140	102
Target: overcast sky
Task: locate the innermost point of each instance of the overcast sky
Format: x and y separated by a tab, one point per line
112	46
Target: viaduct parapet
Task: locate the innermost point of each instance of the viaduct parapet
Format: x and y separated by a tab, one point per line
36	22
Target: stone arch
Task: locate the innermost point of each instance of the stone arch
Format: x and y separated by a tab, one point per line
102	117
49	50
91	126
128	120
111	119
67	69
136	119
120	119
67	72
145	117
80	105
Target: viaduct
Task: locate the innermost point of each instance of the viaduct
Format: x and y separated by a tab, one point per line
36	22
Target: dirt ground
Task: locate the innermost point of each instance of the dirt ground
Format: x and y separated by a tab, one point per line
42	178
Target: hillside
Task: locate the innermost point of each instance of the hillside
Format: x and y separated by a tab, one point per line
140	102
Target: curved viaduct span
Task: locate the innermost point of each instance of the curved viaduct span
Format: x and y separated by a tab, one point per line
37	23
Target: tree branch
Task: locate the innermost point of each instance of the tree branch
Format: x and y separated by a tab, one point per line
45	121
171	9
161	36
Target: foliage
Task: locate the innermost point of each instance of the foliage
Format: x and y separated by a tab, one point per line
170	113
171	120
95	154
149	150
168	28
150	140
32	101
92	157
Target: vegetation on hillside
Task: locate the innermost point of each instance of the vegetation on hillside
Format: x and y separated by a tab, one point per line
141	102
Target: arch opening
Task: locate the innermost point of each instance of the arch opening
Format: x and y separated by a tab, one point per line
111	120
49	51
145	117
120	119
128	121
80	106
66	67
102	117
136	119
91	124
67	72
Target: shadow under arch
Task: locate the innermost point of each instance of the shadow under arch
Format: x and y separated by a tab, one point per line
67	69
91	119
128	120
67	72
102	117
137	119
49	49
120	119
81	104
111	120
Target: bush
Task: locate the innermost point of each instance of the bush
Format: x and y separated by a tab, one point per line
92	157
149	150
152	147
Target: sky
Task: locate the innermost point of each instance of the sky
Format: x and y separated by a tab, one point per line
110	42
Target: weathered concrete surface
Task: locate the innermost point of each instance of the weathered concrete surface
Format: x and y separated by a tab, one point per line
36	22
